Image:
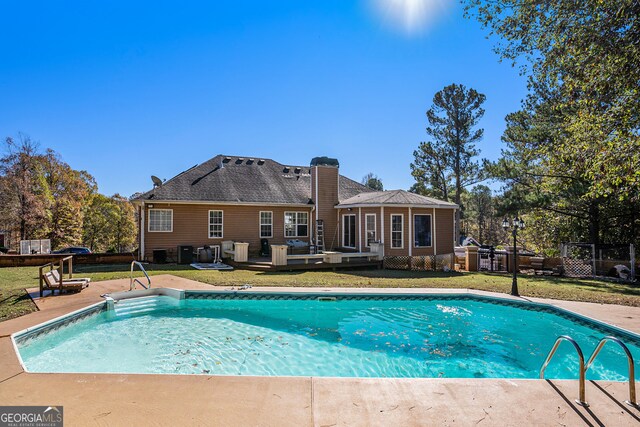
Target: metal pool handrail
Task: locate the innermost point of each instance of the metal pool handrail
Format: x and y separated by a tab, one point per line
581	398
132	282
632	378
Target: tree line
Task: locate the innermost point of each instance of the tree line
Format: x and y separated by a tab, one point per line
570	165
42	197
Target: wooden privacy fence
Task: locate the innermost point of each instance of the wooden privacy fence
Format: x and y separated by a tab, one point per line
420	263
39	259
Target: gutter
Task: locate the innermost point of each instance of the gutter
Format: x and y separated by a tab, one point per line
142	227
222	203
395	205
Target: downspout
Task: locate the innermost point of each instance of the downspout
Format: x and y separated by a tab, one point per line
433	225
382	228
316	198
314	231
142	226
359	229
338	231
411	241
315	207
455	239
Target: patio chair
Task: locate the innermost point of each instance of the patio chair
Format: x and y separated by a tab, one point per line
50	283
56	276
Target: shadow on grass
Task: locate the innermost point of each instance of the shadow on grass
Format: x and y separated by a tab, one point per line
15	297
16	304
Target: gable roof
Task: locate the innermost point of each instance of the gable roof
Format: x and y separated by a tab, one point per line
236	179
394	198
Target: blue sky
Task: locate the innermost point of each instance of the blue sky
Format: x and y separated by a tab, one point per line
128	90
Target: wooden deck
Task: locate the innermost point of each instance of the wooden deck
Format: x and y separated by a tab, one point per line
264	264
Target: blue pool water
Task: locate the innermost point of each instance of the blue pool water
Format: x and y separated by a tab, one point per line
434	337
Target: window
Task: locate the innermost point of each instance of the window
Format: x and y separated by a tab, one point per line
215	224
296	224
349	231
422	230
370	228
161	220
397	231
266	224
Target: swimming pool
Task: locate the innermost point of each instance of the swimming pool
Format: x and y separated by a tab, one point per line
338	335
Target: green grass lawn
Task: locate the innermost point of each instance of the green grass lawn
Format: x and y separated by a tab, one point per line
15	302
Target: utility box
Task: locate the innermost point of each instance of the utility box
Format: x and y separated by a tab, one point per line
185	254
159	256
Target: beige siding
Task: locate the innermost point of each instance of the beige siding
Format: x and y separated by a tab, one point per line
444	228
240	223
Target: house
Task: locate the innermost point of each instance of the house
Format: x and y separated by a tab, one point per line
242	199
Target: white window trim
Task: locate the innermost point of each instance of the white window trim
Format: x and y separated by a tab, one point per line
270	236
354	231
401	231
366	230
149	218
209	223
414	229
284	231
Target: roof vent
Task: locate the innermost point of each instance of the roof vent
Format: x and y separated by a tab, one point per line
297	170
261	162
286	169
250	161
226	160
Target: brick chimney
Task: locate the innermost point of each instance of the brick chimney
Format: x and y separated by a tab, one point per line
324	193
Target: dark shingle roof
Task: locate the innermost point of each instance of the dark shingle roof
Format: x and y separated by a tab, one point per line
395	197
245	180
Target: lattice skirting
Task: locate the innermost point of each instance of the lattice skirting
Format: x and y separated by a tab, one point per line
577	267
419	263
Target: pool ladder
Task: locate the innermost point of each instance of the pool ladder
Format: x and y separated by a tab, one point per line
132	282
585	367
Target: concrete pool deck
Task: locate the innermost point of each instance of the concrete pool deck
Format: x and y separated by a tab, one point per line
118	399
